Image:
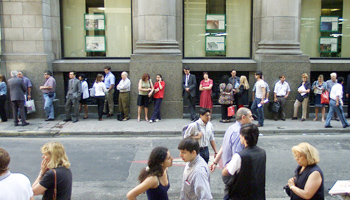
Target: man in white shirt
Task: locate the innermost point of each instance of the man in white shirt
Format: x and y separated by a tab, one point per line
124	95
280	95
258	102
13	185
336	104
203	131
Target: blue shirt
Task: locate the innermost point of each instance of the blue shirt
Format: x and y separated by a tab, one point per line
231	143
109	80
3	88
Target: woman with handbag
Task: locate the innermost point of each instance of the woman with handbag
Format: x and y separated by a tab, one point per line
319	87
302	97
100	93
226	98
205	87
3	93
55	177
154	178
242	93
146	89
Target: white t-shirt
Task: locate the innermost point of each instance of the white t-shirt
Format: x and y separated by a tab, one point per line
100	89
259	85
337	90
15	186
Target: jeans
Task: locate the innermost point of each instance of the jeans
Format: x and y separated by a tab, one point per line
258	111
204	152
156	112
338	110
48	106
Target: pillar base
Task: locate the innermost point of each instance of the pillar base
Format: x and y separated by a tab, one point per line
158	47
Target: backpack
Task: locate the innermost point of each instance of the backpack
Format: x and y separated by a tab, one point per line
184	129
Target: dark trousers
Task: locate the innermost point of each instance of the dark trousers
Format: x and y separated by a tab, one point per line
156	112
224	112
100	104
349	107
69	103
15	106
2	108
281	112
204	152
191	102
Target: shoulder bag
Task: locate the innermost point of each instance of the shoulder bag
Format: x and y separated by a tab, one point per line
55	189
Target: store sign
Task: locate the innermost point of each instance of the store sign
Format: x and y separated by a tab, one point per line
328	45
329	24
215	43
215	22
94	21
95	43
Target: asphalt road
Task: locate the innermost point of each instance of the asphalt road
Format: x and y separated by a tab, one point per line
107	167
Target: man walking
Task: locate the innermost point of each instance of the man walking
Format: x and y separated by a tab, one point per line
48	90
124	95
110	83
203	131
348	94
196	175
17	91
336	104
258	103
13	185
189	91
72	98
280	94
330	83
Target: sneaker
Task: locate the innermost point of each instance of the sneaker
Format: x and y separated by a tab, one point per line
150	121
157	120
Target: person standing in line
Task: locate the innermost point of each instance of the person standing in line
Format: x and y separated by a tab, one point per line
13	185
72	98
348	94
302	97
258	102
205	87
146	90
189	84
29	86
280	95
110	83
17	91
226	98
158	97
124	95
242	92
330	83
84	95
3	96
196	175
100	92
203	131
49	94
319	87
154	179
234	80
246	171
336	104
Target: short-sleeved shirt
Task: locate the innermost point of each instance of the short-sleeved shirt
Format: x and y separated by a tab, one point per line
281	89
330	84
199	126
231	143
51	82
27	82
109	80
259	85
15	186
64	183
337	90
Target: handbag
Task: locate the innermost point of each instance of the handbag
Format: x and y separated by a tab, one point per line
299	97
231	111
55	189
276	107
92	92
325	97
30	106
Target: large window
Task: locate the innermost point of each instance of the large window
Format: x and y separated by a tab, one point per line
96	28
325	28
217	28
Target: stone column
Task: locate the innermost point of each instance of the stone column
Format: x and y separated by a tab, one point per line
157	26
278	45
31	41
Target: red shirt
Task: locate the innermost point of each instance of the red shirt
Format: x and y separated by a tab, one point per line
160	93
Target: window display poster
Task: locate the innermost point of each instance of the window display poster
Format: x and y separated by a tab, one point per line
329	24
215	22
214	43
94	21
328	45
95	43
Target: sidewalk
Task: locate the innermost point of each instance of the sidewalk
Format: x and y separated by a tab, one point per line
165	127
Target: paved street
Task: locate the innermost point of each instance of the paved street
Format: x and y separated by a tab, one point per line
106	167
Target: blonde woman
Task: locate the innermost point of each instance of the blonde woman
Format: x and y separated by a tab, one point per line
318	87
55	161
242	93
308	180
302	97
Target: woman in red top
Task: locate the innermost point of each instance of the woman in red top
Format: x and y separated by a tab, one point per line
158	97
205	86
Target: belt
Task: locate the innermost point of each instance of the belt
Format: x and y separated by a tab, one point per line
203	148
280	96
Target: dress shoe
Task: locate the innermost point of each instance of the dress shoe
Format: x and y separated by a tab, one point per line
67	120
337	119
76	120
25	123
49	119
109	115
302	119
275	119
16	124
345	126
283	119
294	118
125	119
328	126
259	125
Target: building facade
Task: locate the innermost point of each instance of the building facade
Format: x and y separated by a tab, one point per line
277	37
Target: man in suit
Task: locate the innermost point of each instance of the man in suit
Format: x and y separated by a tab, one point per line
72	98
189	91
17	90
348	94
